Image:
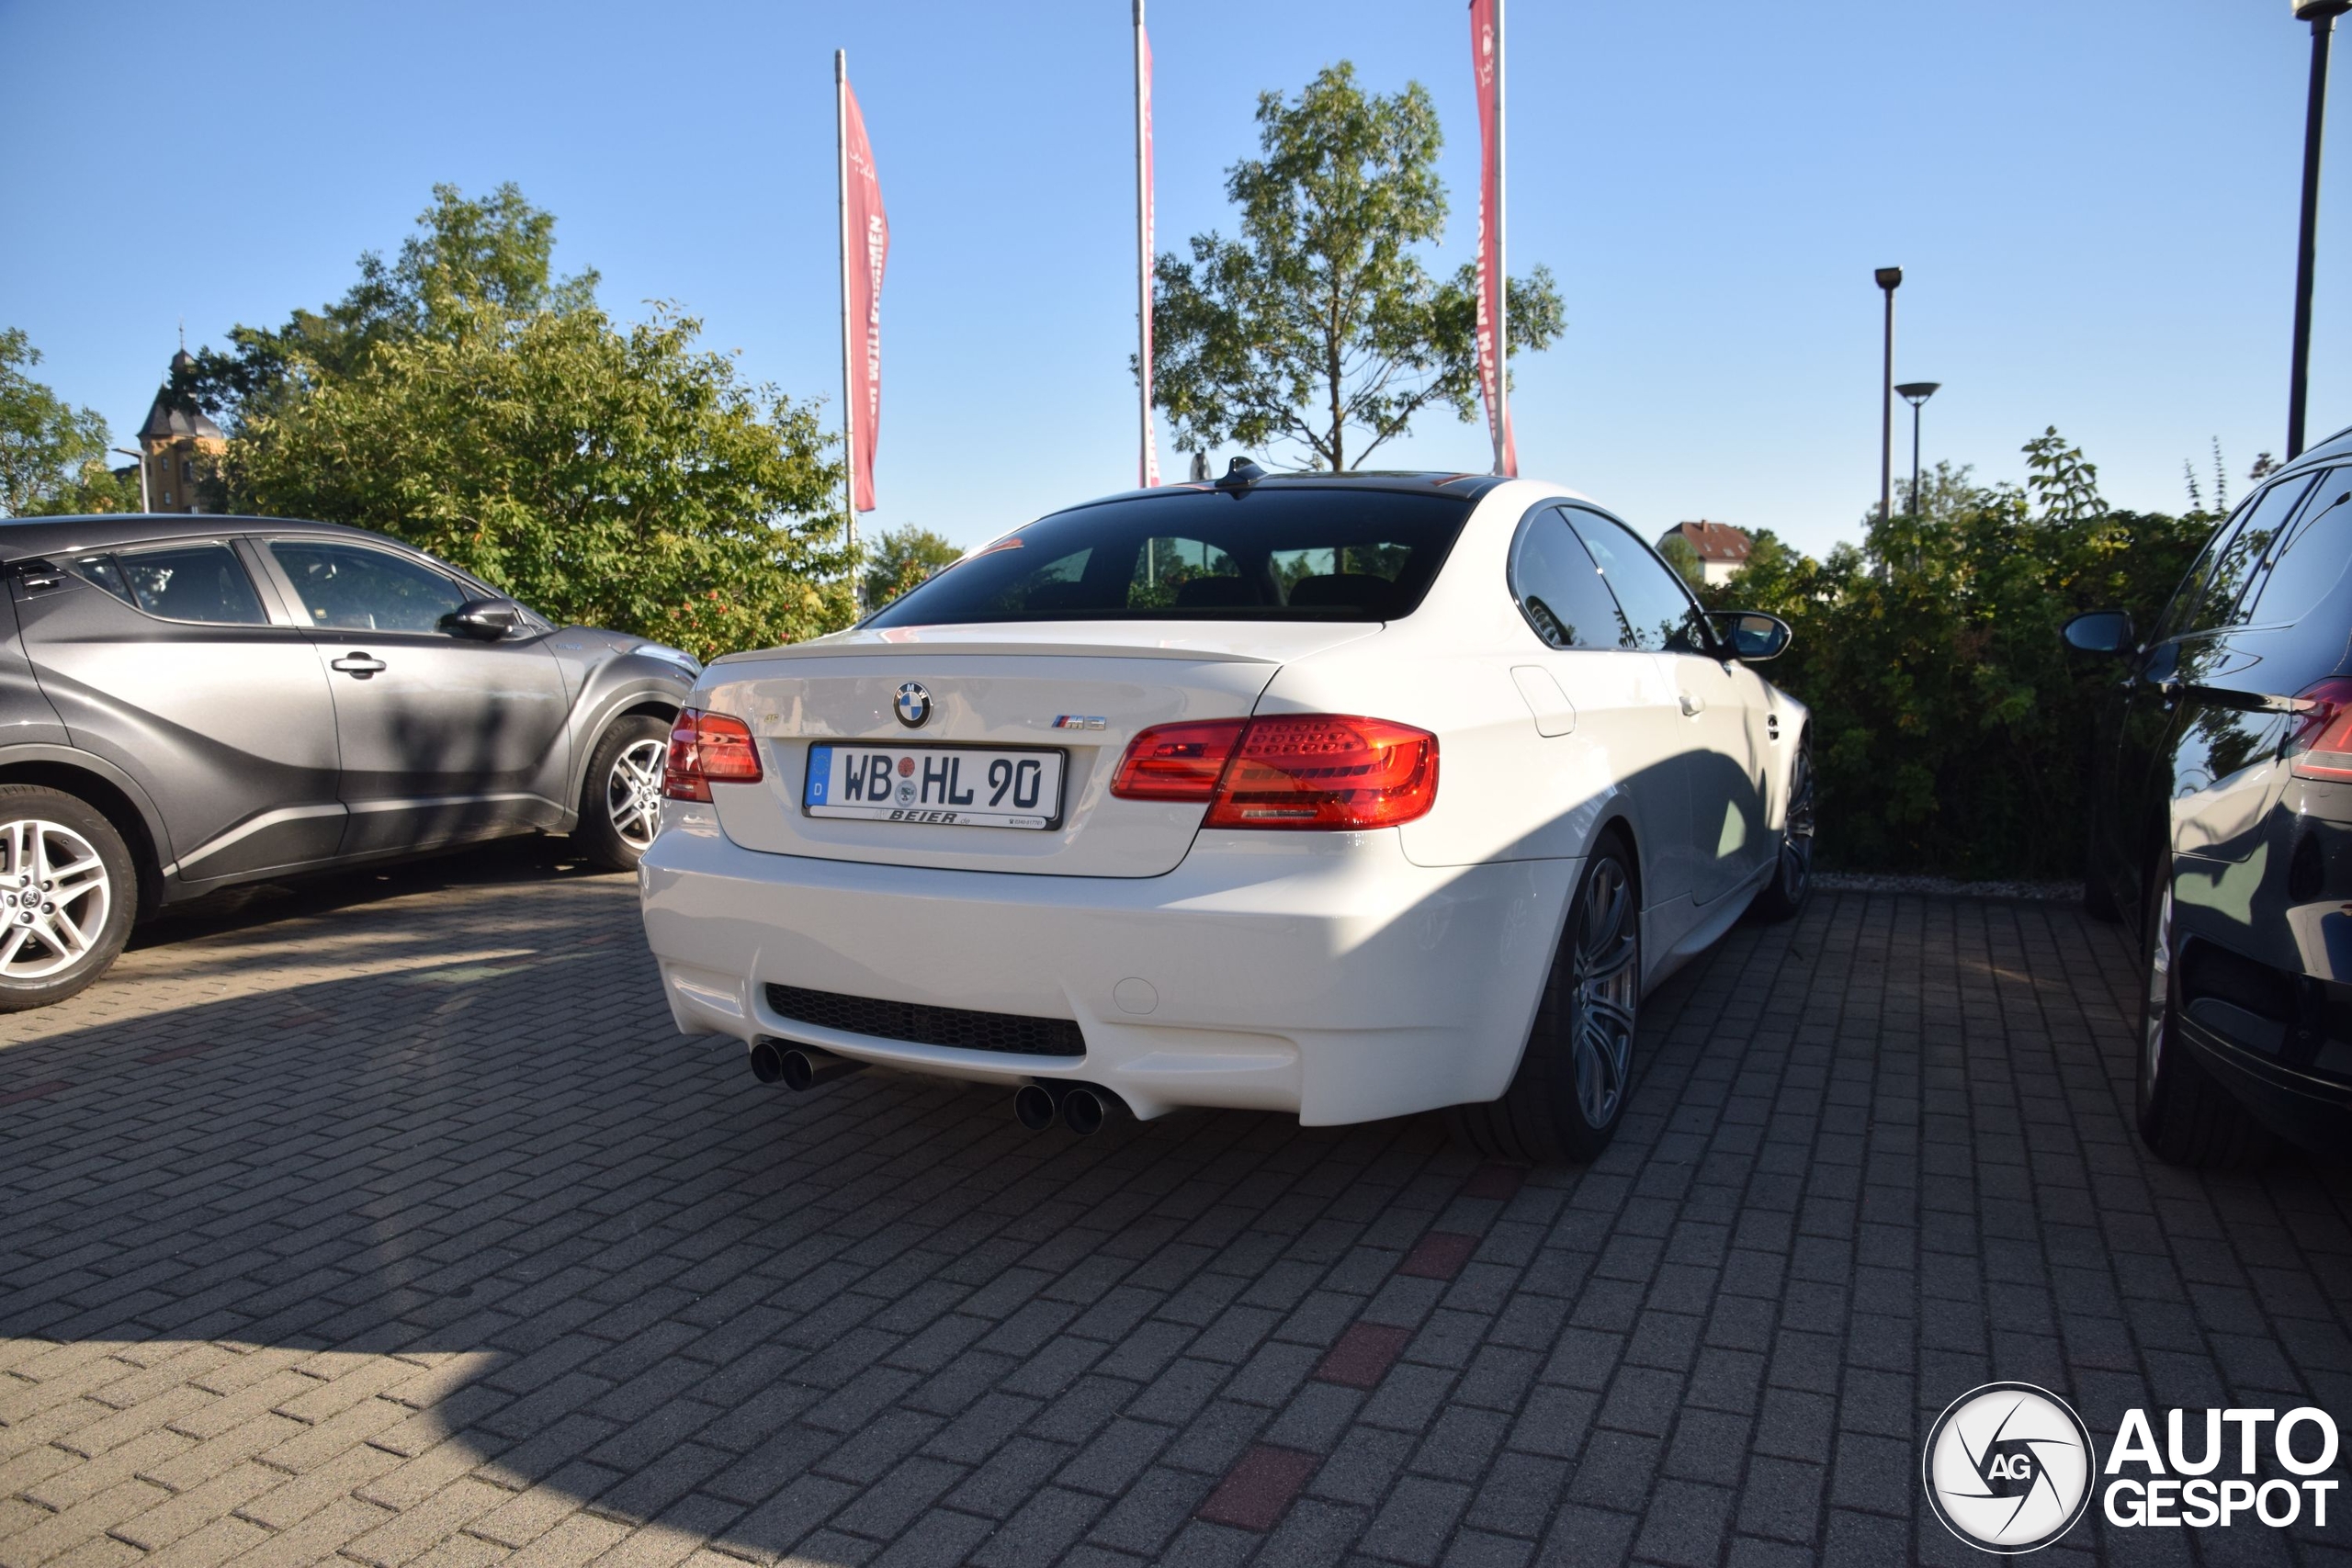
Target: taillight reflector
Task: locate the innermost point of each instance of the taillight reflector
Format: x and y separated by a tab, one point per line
707	749
1311	770
2319	745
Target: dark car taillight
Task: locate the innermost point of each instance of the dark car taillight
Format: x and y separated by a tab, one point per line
707	749
1310	769
2320	744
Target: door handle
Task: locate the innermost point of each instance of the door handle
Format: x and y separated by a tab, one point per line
1692	703
358	666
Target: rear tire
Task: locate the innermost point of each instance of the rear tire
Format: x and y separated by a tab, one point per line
1566	1101
620	800
68	891
1783	897
2184	1117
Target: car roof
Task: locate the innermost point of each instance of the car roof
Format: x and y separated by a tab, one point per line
23	539
1469	487
2335	449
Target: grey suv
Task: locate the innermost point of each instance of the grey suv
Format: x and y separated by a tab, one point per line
191	702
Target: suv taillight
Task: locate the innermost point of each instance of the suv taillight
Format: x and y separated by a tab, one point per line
707	749
1304	770
2319	746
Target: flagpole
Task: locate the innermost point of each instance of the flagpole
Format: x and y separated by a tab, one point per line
849	351
1502	283
1143	263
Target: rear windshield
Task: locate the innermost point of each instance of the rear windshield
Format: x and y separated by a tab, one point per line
1272	553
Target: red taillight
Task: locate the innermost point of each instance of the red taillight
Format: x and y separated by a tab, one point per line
1178	761
1287	770
2319	746
707	749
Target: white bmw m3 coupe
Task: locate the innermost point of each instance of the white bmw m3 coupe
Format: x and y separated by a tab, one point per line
1342	796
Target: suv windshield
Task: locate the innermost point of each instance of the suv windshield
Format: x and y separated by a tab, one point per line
1276	552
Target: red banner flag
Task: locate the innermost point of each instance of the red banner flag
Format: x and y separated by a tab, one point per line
866	248
1151	459
1487	58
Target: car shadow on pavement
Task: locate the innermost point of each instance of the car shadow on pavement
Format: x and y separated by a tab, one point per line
478	1255
525	858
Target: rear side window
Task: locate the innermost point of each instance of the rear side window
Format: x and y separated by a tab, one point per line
1558	588
2308	559
2216	603
1276	551
204	583
1658	611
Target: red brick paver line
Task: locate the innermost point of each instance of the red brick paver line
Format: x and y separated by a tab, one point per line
37	1091
1439	1255
1257	1492
1363	1355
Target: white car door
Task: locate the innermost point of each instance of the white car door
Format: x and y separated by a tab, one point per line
1721	760
1601	701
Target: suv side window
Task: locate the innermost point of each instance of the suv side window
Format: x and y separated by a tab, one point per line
1558	588
1658	609
2216	602
353	587
204	583
2308	559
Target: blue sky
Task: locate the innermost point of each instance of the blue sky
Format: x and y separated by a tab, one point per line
2095	206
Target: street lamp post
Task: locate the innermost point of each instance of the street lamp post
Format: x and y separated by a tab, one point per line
2320	14
1890	278
144	504
1915	393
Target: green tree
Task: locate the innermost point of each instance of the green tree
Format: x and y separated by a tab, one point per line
902	558
464	400
615	478
498	252
1950	729
1322	321
47	446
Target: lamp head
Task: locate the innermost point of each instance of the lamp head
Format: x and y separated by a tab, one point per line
2320	10
1916	392
1891	277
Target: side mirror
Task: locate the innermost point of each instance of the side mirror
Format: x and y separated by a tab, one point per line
485	620
1752	636
2098	631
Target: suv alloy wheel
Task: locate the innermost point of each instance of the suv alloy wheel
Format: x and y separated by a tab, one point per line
67	894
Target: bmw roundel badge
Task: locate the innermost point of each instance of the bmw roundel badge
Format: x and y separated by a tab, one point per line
913	705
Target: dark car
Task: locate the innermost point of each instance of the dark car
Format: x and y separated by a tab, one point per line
191	702
2222	825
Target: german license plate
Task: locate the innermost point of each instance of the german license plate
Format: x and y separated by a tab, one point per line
951	786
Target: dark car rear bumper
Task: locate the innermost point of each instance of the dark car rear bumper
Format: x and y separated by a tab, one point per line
2306	1108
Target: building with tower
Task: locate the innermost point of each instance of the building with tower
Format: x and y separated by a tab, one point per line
176	442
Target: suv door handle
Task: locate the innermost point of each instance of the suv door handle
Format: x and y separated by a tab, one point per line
1692	703
358	666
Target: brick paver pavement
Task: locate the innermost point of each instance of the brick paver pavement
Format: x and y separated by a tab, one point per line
391	1220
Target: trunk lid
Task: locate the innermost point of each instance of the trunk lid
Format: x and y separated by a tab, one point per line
995	686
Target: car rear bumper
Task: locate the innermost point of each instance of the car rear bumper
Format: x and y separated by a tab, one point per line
1319	973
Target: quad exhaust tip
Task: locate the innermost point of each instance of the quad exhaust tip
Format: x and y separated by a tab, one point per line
798	1067
1080	1106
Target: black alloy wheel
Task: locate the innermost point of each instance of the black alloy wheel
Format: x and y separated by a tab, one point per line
1568	1095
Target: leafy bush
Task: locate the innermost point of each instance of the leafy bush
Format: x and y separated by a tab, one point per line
1951	727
